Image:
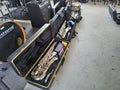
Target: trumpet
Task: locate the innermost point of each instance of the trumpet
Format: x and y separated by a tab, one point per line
39	72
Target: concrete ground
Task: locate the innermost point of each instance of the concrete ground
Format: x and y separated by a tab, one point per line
93	60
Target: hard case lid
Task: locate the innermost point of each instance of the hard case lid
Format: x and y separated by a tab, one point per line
26	56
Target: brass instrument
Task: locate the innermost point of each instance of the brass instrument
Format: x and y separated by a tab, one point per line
39	72
63	30
48	76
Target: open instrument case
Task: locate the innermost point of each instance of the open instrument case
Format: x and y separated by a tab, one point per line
39	59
